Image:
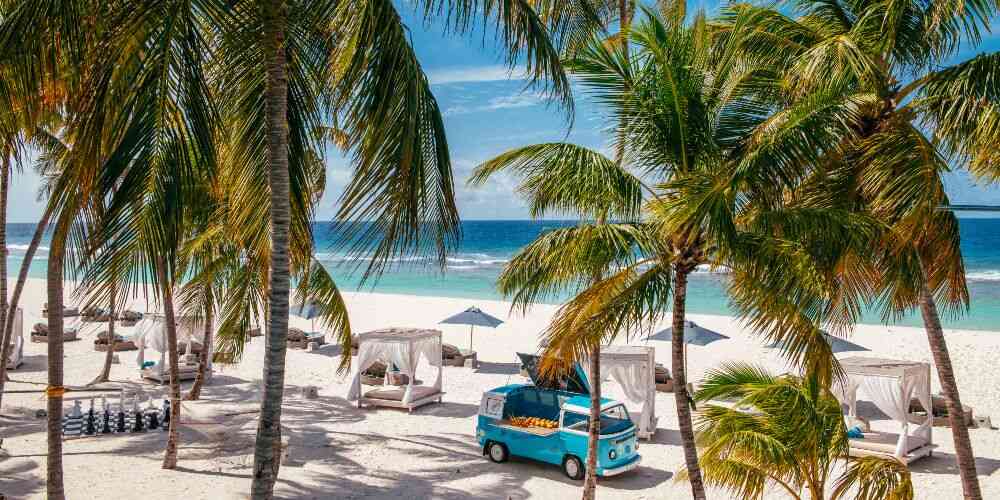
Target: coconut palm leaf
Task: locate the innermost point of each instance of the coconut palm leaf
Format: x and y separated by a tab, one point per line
401	191
564	178
318	287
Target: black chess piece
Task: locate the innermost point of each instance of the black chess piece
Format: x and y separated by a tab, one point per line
137	421
90	428
154	420
106	426
121	421
166	414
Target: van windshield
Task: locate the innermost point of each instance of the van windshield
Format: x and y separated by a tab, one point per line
613	420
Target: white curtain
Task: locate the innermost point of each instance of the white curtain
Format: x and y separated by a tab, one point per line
17	353
404	354
634	378
892	396
151	333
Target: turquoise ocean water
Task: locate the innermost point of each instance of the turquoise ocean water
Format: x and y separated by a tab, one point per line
486	246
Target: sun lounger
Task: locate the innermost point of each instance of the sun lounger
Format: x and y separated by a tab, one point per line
453	356
297	340
130	318
67	311
121	343
40	332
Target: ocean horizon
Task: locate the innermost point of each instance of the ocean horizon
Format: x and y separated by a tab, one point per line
470	271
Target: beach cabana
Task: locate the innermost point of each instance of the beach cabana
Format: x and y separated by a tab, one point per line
634	369
890	385
151	333
402	348
16	357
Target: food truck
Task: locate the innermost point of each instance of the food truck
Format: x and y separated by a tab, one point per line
550	425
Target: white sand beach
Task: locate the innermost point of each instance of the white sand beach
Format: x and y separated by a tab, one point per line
339	451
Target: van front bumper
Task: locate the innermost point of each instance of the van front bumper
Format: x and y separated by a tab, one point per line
613	471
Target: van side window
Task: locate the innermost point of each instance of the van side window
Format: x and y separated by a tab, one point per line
530	397
548	399
575	421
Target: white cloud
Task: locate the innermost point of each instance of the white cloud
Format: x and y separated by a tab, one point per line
461	74
519	100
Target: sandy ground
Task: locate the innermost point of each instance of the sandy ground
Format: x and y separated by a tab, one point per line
339	451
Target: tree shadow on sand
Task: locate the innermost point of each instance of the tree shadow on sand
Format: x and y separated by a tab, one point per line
19	477
947	464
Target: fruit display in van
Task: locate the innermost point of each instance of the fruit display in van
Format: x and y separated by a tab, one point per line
544	423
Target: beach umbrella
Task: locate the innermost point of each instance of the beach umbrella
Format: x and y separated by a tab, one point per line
473	317
309	310
837	344
693	334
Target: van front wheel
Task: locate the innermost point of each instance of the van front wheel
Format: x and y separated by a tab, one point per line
573	468
497	452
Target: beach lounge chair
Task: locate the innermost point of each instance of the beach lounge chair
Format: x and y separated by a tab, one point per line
67	311
129	318
298	339
40	333
121	343
663	381
453	356
403	348
95	315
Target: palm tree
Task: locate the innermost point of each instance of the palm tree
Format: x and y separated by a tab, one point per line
787	432
914	111
566	178
365	73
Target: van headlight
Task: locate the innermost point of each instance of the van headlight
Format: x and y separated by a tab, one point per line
612	454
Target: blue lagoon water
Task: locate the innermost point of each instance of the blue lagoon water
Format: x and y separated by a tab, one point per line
486	246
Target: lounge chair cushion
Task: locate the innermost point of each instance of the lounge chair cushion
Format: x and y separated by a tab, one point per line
885	442
396	393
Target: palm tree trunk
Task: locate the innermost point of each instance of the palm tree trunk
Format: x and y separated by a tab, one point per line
594	429
22	278
4	184
956	417
54	469
266	463
680	385
112	341
170	454
203	358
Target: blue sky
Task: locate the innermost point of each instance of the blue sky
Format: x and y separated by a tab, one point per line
486	113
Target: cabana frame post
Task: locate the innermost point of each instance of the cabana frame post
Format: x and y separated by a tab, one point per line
634	368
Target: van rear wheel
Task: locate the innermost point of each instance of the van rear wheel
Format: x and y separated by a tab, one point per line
573	468
497	452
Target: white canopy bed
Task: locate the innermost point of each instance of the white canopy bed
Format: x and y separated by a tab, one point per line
890	385
634	369
402	348
16	357
151	333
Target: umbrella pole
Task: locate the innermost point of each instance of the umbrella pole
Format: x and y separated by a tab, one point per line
471	327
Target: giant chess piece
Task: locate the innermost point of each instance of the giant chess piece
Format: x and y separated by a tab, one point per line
166	414
106	421
73	421
120	427
137	421
90	428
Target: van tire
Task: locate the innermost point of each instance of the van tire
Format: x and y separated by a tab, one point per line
497	452
573	468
